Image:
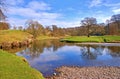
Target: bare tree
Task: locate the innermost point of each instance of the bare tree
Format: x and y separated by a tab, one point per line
88	22
116	19
107	28
34	27
2	7
15	28
48	31
55	30
20	28
4	26
2	16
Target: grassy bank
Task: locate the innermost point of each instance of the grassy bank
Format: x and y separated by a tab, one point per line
47	37
97	39
13	35
13	67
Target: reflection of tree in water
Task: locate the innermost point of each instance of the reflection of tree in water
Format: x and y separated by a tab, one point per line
57	44
38	47
87	53
14	50
115	50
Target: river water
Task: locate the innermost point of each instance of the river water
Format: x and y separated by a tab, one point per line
47	55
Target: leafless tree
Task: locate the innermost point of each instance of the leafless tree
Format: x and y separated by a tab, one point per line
88	22
116	19
107	28
34	27
2	8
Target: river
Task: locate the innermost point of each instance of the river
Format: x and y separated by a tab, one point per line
47	55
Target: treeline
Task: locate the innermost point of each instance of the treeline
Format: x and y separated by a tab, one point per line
89	26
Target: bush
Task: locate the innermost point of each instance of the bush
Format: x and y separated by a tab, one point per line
4	26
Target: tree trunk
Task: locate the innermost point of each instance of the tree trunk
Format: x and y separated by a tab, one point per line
88	31
88	35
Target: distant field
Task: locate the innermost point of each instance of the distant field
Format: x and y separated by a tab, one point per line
13	35
97	39
13	67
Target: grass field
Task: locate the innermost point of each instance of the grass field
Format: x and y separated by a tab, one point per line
98	39
13	35
13	67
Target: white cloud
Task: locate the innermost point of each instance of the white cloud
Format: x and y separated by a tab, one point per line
32	14
115	7
102	19
23	12
74	23
14	2
36	10
105	3
17	14
116	11
112	5
17	22
95	3
39	5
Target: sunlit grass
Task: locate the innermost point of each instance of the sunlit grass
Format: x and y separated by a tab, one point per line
13	67
12	35
112	38
92	39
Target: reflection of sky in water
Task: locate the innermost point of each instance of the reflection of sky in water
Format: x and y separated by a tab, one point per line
105	55
66	55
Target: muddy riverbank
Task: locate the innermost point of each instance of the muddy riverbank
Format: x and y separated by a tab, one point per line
87	73
9	45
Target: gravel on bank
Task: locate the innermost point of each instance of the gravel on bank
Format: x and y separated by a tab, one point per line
87	73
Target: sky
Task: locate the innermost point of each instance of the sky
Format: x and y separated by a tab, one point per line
63	13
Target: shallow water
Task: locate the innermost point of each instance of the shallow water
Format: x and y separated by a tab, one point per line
48	55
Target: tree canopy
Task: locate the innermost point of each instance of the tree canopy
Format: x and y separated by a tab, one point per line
88	22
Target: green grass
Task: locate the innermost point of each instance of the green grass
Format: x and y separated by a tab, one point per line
13	67
13	35
97	39
112	38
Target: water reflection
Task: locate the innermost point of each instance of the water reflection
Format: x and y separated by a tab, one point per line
47	55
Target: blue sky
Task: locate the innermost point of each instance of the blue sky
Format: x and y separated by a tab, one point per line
64	13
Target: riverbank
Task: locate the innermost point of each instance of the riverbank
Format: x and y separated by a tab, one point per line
49	37
87	73
14	38
14	67
93	39
46	37
101	44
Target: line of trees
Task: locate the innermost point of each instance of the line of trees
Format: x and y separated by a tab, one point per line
37	29
89	26
113	25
